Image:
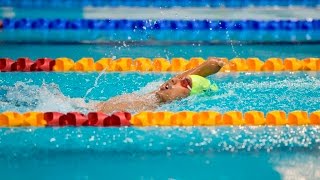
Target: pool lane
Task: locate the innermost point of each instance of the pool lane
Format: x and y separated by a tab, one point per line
97	51
265	92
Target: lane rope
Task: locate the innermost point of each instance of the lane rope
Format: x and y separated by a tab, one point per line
184	118
124	24
142	64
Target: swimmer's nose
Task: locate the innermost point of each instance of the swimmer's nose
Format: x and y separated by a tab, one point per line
174	80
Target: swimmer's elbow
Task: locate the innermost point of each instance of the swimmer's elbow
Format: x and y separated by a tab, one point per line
214	65
216	62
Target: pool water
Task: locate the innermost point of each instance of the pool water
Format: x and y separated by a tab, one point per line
285	152
160	153
77	51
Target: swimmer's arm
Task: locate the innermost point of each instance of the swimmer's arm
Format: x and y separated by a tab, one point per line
211	66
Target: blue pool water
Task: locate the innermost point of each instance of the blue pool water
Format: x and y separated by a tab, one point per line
284	152
77	51
160	153
238	91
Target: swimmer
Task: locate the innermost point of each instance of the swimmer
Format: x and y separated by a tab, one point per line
181	86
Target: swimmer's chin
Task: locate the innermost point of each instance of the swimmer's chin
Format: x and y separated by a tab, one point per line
160	97
163	98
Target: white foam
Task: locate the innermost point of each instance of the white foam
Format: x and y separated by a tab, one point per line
23	97
302	83
298	166
152	86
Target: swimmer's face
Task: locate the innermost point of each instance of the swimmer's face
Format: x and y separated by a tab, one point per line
175	88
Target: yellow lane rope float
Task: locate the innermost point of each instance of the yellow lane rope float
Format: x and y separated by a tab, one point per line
127	64
236	118
184	118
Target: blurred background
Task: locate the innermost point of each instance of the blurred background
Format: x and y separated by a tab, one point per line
160	28
154	28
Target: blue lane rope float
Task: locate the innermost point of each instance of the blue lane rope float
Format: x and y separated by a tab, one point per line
123	24
156	3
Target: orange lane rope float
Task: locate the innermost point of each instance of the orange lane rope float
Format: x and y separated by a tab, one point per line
211	118
184	118
142	64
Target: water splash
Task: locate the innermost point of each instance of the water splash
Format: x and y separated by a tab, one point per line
297	166
152	86
231	43
23	97
95	83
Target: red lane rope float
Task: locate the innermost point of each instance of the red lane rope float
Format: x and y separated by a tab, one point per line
14	119
43	64
92	119
156	65
22	64
26	65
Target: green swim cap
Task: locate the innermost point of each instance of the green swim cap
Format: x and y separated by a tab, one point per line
201	84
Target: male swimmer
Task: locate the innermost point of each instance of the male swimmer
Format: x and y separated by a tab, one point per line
182	85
